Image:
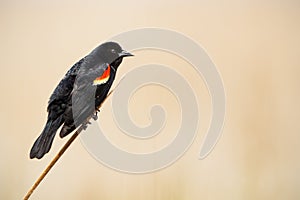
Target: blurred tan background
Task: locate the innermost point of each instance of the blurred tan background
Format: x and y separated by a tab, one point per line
255	46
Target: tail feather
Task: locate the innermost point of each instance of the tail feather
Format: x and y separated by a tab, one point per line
44	142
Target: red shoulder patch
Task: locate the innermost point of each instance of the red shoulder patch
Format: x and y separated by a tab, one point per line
103	78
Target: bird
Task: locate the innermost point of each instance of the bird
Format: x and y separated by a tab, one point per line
79	94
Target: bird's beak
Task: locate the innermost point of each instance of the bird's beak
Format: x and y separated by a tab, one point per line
125	53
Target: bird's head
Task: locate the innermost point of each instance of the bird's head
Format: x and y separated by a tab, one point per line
110	52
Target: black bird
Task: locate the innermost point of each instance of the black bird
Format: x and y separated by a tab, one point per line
79	94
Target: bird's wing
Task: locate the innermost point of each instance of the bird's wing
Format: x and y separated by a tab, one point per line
62	92
84	90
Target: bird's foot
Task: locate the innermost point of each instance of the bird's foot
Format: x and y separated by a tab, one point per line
84	126
95	116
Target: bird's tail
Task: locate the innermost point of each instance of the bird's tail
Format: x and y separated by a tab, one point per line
43	143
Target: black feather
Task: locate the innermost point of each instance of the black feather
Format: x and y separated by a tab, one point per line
76	98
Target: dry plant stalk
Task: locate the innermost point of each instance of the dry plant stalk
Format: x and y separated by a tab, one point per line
61	152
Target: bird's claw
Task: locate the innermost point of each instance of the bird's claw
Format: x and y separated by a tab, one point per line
95	116
84	126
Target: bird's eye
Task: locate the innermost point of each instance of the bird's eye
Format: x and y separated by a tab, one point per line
113	51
